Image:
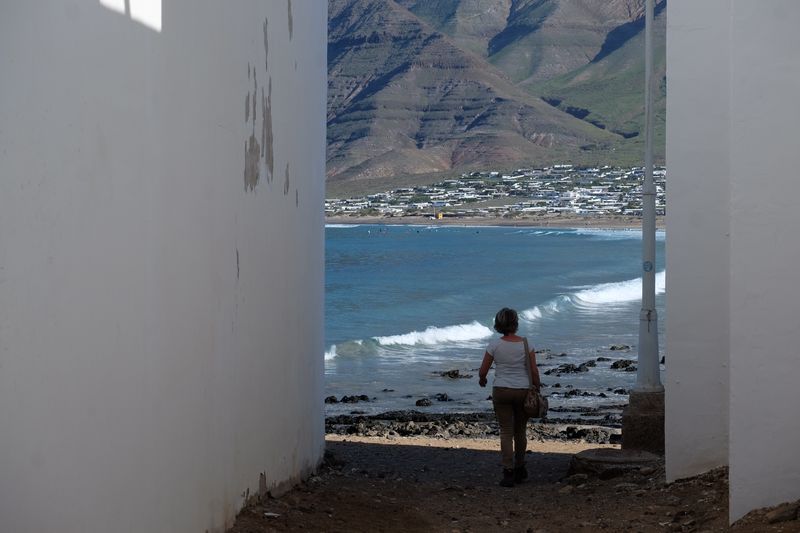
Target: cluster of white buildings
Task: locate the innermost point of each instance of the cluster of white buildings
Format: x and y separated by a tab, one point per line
560	189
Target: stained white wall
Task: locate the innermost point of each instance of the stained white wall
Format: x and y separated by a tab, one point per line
754	194
160	322
697	250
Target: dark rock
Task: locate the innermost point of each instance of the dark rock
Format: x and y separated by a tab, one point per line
567	368
589	434
620	391
331	399
619	347
387	390
590	363
424	402
453	374
783	513
622	364
602	359
602	395
663	360
358	412
489	397
442	397
355	399
357	429
611	473
557	386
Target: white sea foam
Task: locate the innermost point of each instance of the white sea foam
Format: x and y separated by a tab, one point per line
616	234
549	308
532	314
622	291
432	335
331	353
345	226
353	348
602	294
538	232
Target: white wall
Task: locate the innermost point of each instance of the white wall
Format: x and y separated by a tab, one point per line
765	254
732	151
697	250
160	323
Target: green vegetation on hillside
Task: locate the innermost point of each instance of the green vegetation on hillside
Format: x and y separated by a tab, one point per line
420	89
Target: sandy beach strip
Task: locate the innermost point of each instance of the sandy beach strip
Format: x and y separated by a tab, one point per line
544	221
471	443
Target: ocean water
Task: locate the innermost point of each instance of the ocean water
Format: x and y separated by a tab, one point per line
406	302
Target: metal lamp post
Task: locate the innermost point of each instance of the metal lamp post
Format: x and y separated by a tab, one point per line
643	419
647	378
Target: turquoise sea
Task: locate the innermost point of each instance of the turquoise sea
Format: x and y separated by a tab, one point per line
406	302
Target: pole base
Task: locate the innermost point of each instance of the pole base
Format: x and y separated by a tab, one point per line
643	422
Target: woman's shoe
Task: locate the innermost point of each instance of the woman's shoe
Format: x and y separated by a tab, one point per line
520	474
508	478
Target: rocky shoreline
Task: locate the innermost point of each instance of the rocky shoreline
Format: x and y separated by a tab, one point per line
610	399
594	425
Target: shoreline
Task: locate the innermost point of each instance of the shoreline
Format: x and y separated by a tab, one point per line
544	221
597	425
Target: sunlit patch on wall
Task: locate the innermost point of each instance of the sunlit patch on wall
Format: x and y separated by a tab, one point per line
146	12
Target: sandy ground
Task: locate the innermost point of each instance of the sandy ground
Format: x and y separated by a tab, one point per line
553	221
418	484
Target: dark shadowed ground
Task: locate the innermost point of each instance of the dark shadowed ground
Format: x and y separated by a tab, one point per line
374	484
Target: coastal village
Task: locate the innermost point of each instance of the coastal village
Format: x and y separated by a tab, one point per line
560	190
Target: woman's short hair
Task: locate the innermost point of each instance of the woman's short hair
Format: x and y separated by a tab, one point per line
506	321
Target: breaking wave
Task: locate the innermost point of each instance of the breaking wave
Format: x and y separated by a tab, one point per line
619	292
595	296
474	331
331	353
432	337
551	307
616	234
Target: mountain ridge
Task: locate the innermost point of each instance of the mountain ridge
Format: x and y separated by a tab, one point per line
405	99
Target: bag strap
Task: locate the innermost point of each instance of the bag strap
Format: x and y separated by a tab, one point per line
528	361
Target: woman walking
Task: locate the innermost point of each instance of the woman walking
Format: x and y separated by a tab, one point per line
515	372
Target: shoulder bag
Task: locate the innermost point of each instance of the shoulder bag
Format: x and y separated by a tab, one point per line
536	404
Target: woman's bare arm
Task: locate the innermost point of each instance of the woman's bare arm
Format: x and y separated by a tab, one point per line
485	366
537	382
